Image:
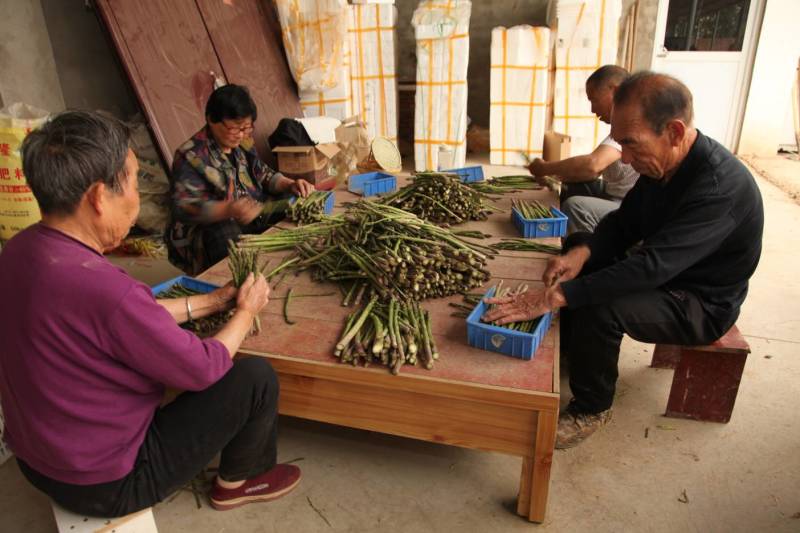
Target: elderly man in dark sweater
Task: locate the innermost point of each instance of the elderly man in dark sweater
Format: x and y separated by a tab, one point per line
696	212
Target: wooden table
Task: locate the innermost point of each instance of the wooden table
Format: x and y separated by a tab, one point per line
472	398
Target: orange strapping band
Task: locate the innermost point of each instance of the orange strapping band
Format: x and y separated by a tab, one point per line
375	77
431	142
503	85
440	83
520	104
515	150
381	77
367	30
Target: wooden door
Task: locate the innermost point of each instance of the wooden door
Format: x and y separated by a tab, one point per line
247	38
170	60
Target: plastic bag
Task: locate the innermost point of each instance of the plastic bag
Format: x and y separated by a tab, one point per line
314	33
18	207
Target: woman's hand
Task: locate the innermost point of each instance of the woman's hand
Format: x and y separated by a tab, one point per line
224	297
253	294
244	210
302	188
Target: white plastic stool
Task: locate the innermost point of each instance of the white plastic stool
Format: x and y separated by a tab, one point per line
138	522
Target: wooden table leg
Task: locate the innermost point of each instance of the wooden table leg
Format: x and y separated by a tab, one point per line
535	477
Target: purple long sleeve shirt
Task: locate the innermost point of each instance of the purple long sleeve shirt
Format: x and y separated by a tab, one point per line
85	355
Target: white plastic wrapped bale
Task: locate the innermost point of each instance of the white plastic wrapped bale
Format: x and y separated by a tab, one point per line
440	118
519	85
336	102
314	32
587	39
373	75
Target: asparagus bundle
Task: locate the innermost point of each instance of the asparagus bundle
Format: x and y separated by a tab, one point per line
390	334
287	238
526	245
532	209
379	250
440	198
149	246
309	209
202	327
505	184
241	264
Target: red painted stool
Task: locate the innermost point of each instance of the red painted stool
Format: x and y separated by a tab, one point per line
706	378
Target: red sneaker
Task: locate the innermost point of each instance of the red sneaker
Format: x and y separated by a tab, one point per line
268	486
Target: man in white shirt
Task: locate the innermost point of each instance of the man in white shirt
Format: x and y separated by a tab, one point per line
585	198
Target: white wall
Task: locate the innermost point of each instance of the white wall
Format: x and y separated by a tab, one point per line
27	68
769	100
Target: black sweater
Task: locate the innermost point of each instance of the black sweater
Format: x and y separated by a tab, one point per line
700	232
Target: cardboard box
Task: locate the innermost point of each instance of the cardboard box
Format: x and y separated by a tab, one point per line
353	133
556	146
310	163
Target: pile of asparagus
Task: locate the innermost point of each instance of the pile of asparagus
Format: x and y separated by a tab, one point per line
532	209
202	327
309	209
390	334
379	250
441	199
387	260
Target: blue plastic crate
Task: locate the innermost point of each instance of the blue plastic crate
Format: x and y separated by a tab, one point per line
372	183
532	228
468	174
185	281
329	201
502	340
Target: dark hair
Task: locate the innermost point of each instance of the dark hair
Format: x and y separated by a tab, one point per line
661	98
71	151
607	75
231	102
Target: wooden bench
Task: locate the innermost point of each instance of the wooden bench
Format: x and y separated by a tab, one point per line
138	522
706	379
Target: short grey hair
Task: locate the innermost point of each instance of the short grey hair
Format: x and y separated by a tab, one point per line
607	75
661	98
70	152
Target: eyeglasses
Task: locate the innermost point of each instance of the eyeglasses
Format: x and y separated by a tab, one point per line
233	130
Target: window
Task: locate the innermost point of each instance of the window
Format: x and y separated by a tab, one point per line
706	25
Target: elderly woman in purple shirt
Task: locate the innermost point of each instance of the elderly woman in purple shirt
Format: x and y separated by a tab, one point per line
86	352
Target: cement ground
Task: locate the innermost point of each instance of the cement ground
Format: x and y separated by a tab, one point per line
643	472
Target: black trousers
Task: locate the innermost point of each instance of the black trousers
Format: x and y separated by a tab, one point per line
591	335
584	188
217	236
237	416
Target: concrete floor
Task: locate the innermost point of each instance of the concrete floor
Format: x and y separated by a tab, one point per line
632	476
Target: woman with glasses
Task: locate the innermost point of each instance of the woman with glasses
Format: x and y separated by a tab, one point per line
219	184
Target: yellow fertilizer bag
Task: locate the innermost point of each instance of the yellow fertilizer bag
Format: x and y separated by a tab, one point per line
18	207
